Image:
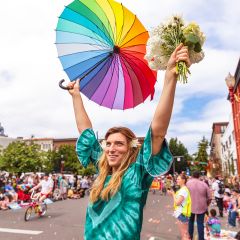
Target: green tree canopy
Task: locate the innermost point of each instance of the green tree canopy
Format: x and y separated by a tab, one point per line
201	157
65	158
177	148
22	157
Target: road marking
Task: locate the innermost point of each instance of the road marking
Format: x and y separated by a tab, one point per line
20	231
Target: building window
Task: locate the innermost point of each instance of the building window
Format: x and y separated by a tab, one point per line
233	136
223	129
230	140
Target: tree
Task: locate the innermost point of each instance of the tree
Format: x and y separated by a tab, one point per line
67	153
22	157
201	160
178	149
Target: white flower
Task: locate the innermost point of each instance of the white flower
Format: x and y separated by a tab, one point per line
103	144
134	143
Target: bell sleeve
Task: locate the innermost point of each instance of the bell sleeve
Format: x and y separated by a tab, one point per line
154	165
88	148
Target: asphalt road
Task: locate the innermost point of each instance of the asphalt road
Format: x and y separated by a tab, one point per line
65	221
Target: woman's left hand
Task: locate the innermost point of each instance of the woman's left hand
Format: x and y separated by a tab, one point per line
179	54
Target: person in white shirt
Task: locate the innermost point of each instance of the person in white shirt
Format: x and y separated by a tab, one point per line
30	180
46	186
218	196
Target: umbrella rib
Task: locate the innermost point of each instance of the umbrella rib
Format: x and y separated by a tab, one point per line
91	44
98	47
94	67
86	42
97	17
83	52
135	17
110	81
144	62
85	61
99	40
109	25
92	22
123	59
116	87
120	35
133	38
92	79
97	36
103	78
115	20
130	51
133	63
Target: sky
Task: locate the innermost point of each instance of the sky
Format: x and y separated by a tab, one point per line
31	103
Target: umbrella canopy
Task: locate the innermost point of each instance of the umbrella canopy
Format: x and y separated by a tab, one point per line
103	43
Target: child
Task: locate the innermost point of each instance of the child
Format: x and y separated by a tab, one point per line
226	200
213	224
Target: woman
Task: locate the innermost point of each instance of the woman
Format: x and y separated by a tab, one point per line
126	172
182	206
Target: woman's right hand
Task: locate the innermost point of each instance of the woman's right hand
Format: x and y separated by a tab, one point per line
74	87
170	192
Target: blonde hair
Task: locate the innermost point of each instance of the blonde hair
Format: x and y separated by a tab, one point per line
98	190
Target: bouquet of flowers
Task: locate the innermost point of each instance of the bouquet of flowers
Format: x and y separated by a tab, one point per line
166	37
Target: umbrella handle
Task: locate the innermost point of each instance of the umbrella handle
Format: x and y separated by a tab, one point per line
63	87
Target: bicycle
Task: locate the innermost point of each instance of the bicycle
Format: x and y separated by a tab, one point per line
35	207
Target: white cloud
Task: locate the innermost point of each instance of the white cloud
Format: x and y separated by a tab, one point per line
191	131
32	103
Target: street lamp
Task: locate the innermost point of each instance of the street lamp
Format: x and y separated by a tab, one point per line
178	158
230	81
62	164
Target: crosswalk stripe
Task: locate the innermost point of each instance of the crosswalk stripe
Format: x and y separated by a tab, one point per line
20	231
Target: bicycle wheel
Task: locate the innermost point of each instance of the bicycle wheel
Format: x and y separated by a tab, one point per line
44	209
28	213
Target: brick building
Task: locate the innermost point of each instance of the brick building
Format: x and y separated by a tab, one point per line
215	163
235	100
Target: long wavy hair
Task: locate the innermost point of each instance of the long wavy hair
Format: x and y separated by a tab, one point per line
98	190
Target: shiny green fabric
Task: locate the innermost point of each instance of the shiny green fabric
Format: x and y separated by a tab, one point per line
121	217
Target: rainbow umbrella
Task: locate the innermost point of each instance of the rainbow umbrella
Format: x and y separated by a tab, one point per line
103	43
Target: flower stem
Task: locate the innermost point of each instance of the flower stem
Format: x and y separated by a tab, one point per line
182	71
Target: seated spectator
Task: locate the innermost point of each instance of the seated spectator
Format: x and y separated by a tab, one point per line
233	208
238	236
213	224
10	191
4	203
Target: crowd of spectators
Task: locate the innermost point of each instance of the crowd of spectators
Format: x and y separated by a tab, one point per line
14	188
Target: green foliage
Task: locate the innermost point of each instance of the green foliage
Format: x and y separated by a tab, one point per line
65	158
201	157
21	157
178	149
90	170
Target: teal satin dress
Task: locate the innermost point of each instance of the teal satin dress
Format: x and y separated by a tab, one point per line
120	218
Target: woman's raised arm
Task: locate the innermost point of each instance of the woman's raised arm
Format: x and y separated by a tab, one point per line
164	108
82	120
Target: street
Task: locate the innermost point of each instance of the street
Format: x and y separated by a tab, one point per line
65	221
